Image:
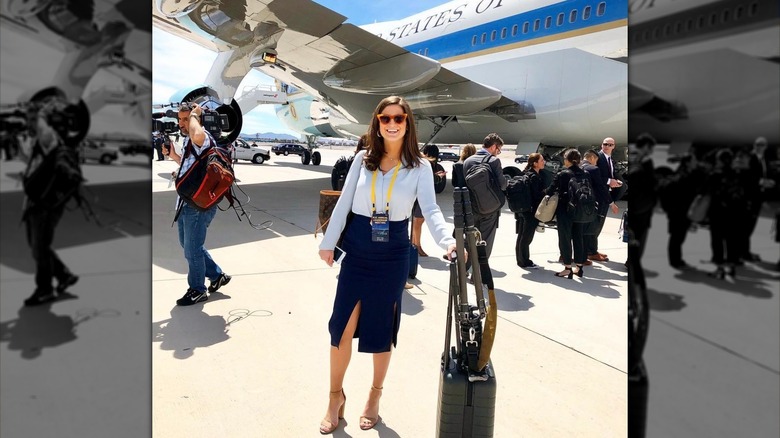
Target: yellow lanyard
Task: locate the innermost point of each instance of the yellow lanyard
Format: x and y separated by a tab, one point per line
389	190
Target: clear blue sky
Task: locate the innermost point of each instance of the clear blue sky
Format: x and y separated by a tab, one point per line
168	56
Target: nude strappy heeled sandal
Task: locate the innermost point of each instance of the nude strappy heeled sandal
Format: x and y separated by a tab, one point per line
367	423
326	426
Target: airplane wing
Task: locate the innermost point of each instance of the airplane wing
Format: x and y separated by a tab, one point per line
347	67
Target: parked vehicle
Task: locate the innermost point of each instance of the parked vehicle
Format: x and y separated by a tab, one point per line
521	159
448	156
289	148
250	152
137	148
89	150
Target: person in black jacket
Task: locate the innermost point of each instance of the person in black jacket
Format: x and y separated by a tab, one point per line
601	192
676	193
526	222
569	232
727	206
643	197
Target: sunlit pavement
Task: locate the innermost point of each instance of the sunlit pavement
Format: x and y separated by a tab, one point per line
253	359
713	354
79	366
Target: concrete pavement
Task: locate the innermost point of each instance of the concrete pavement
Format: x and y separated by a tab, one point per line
252	361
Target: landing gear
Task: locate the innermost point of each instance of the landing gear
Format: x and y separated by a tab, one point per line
310	155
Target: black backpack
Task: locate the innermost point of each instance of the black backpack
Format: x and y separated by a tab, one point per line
486	195
339	173
582	202
518	193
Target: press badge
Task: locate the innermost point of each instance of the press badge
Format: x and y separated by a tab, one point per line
380	228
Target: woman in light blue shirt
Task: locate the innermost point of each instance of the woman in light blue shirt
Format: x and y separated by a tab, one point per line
381	187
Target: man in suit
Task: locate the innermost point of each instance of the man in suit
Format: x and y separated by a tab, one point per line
759	184
601	192
606	166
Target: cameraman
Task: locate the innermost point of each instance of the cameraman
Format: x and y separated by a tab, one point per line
193	224
52	177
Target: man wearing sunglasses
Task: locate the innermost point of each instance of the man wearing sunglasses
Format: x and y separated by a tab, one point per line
607	167
488	223
193	224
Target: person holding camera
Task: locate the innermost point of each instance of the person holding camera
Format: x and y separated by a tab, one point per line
193	223
381	186
52	177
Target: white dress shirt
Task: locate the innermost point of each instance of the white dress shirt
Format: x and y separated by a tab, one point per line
410	184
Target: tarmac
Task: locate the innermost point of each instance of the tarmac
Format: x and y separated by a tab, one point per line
252	361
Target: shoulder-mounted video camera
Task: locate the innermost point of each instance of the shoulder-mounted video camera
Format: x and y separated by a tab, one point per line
70	120
222	121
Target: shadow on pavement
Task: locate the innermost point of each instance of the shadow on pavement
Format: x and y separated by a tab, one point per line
118	207
190	328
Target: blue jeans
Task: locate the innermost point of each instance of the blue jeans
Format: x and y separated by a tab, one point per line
193	225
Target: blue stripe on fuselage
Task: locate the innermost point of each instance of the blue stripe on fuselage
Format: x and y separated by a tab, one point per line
459	43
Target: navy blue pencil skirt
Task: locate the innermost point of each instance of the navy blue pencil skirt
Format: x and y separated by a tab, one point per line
374	274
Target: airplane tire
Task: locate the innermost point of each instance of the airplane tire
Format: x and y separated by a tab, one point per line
512	171
316	158
306	157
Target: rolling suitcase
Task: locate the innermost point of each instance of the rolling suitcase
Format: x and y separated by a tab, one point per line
466	409
467	384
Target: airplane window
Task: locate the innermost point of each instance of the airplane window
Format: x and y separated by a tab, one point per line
713	18
474	40
493	35
725	16
655	33
559	20
738	13
700	23
586	13
426	51
601	8
689	25
753	9
678	27
667	30
503	33
514	29
484	38
536	24
526	26
573	16
547	22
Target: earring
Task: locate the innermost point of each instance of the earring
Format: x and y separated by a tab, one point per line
379	134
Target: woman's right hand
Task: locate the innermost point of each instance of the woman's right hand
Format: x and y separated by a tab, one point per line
327	256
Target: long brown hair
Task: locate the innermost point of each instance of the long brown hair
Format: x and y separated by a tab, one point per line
410	151
532	159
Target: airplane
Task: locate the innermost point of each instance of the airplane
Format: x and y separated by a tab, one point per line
704	72
105	39
535	72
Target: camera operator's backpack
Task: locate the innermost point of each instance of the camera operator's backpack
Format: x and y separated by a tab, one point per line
56	179
582	203
209	178
518	193
486	195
